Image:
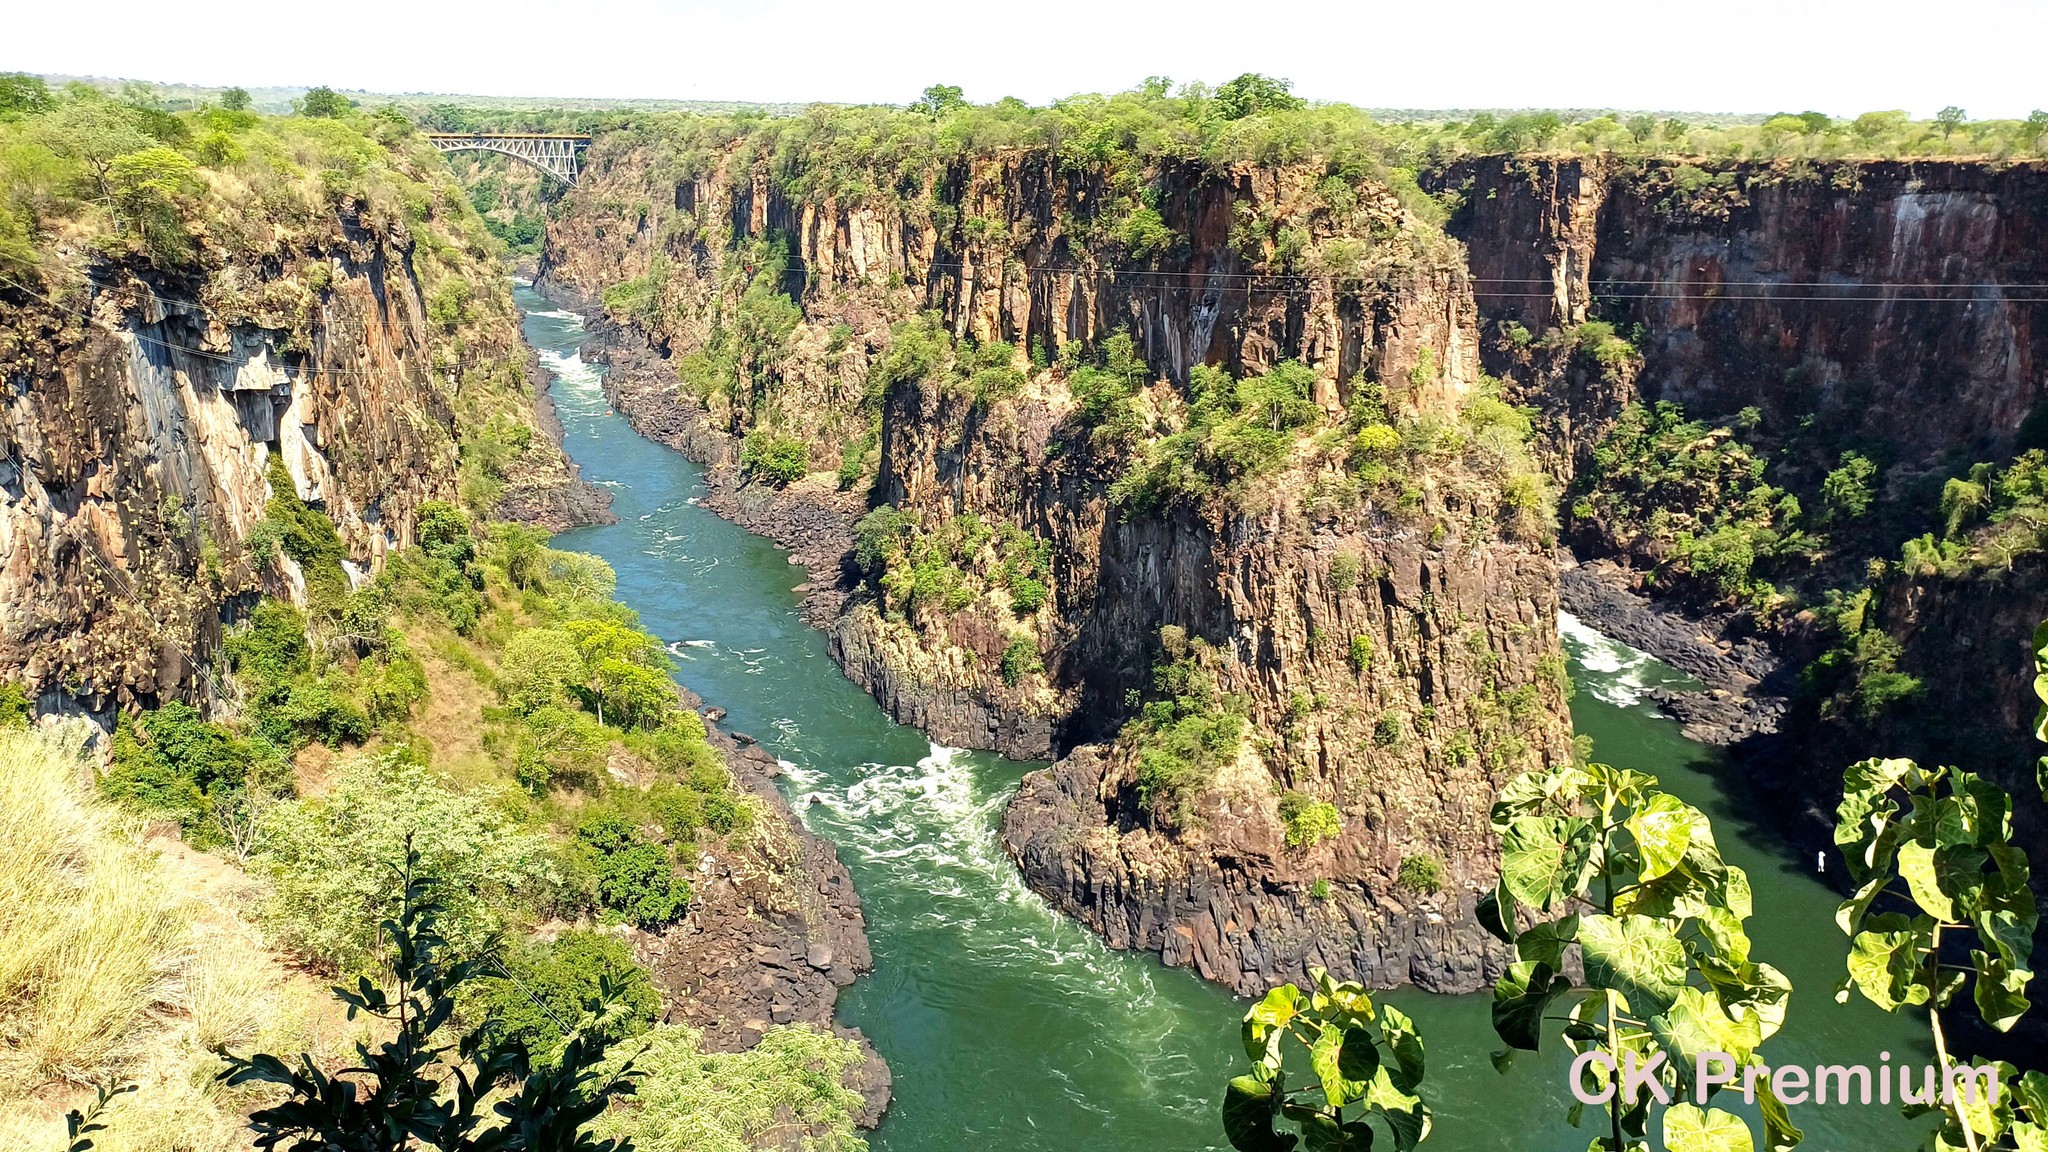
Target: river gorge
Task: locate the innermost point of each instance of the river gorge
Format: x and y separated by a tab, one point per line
1005	1023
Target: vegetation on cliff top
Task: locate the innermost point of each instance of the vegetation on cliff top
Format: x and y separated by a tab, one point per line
116	192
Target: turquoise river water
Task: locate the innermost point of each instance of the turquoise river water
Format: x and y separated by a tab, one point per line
1012	1029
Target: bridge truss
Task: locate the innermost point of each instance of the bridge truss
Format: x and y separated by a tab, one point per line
554	155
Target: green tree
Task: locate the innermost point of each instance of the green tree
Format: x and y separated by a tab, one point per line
939	99
152	190
1870	126
1366	1062
235	100
1847	491
2036	126
417	1090
1949	119
636	876
23	95
93	131
1252	94
540	987
328	858
1601	858
324	103
537	668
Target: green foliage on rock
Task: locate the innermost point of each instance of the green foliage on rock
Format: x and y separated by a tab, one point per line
778	461
16	709
1236	432
1020	659
1187	734
636	876
1421	873
1699	494
1308	821
691	1100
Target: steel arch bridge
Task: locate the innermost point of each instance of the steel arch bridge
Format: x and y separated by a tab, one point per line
554	155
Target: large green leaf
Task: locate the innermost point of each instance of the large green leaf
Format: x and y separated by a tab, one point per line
1266	1024
1688	1128
1636	956
1540	854
1249	1108
1663	831
1406	1115
1916	867
1344	1059
1496	913
1723	929
1406	1044
1525	795
1780	1134
1885	965
1520	997
1546	942
2031	1094
1849	916
1697	1023
2001	990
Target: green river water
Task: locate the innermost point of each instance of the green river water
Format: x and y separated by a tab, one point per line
1012	1029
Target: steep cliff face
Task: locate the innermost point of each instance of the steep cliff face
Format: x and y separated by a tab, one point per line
141	413
1897	301
1891	307
1387	643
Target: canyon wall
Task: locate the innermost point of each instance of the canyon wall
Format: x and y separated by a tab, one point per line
1894	307
1391	650
141	414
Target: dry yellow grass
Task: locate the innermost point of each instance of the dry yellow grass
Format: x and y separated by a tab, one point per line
126	962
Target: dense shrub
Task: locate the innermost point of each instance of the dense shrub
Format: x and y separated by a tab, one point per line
545	984
690	1100
329	861
172	762
636	876
1020	659
1308	821
775	460
1422	873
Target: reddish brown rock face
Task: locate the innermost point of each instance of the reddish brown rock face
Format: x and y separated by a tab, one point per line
134	455
1896	304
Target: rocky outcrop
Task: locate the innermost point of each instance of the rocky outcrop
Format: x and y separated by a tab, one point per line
1249	915
775	930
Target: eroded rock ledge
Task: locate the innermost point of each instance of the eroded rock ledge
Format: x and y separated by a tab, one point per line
1241	913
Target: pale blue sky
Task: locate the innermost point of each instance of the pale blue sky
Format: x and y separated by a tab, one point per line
1836	56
